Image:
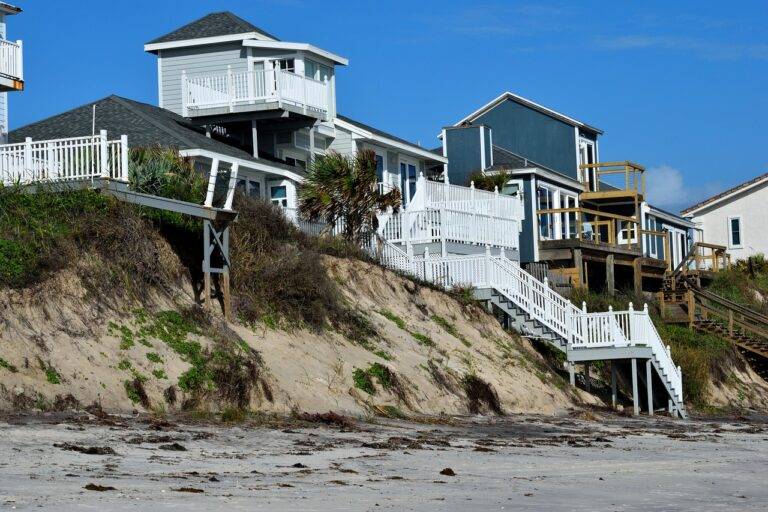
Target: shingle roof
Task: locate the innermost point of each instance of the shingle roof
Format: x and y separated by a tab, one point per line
503	159
721	195
144	124
382	133
212	25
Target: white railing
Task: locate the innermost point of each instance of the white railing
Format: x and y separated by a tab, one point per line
235	89
61	160
11	59
427	226
577	327
470	200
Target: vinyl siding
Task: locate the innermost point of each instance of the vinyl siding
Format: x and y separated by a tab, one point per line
463	153
343	143
533	135
196	60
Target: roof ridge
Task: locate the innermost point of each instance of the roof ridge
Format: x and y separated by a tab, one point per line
125	102
724	193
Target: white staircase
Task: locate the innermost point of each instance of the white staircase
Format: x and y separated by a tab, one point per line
538	311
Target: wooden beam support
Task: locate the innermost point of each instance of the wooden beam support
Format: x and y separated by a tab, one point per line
637	274
610	279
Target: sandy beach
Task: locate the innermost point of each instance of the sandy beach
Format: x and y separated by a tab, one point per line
510	463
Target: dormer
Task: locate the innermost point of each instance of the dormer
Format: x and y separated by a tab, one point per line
221	67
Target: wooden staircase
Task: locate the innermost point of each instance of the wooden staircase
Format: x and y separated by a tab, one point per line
683	301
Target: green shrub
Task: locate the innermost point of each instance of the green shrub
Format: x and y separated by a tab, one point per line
423	339
124	365
8	366
153	357
363	381
398	321
162	172
450	329
160	374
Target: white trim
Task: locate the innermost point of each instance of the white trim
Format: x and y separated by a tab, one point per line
250	164
691	212
490	141
414	150
544	173
201	41
731	245
525	102
482	147
534	219
680	221
283	45
160	79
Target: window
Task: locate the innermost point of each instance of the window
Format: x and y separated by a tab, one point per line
545	199
279	195
254	189
379	168
735	234
568	221
316	70
285	65
511	188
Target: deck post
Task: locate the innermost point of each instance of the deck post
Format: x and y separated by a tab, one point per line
207	264
587	379
232	186
443	230
637	275
124	157
212	182
691	308
104	156
255	139
635	398
649	385
578	262
572	373
225	289
614	395
610	280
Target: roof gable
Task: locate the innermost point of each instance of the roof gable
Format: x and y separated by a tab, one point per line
508	96
711	201
214	24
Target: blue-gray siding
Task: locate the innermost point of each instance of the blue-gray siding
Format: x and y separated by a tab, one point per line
463	153
533	135
528	238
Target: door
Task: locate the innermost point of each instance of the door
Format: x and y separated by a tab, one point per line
408	179
587	156
259	82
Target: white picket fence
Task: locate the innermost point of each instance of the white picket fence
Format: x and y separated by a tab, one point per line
470	200
577	327
231	89
63	160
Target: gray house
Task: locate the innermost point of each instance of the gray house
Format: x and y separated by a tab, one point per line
587	219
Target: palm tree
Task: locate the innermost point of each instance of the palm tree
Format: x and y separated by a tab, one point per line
340	187
490	181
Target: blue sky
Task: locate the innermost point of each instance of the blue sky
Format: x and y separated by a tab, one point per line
679	87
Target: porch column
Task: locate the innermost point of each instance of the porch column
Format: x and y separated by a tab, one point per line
649	386
614	395
572	373
610	279
255	139
635	398
312	143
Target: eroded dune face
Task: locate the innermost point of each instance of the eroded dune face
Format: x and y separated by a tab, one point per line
432	354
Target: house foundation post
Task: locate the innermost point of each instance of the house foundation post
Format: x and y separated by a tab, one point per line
637	271
610	278
207	264
255	138
649	385
587	380
614	395
578	262
572	373
635	398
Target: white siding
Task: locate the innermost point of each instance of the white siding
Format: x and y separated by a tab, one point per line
751	207
196	60
343	143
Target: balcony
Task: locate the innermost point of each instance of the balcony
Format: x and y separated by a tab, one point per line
11	66
249	91
561	228
610	181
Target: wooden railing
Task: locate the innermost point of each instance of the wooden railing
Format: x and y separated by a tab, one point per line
234	89
11	59
633	177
